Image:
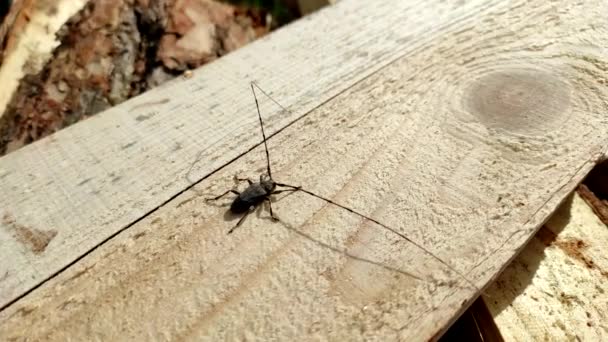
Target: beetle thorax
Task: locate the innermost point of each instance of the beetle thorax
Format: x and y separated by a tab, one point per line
267	183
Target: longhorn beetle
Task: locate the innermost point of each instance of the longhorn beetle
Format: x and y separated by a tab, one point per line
258	192
261	191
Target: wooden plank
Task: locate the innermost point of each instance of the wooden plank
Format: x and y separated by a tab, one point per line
77	188
465	144
556	288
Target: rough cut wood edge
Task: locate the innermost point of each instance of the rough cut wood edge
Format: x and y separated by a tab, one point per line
30	32
556	288
78	187
465	144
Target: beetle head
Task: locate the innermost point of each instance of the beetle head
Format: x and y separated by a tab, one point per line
267	183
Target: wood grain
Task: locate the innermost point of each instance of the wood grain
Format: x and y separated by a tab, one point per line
556	288
90	181
465	143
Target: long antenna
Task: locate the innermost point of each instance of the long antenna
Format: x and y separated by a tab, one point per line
263	134
431	254
394	231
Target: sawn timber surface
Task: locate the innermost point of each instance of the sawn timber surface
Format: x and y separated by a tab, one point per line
68	193
466	143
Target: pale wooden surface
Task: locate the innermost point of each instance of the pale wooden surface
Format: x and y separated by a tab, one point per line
556	289
466	143
87	182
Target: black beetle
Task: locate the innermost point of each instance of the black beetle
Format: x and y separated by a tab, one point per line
255	194
259	192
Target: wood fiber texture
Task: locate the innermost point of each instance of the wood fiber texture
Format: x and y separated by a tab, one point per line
555	289
461	126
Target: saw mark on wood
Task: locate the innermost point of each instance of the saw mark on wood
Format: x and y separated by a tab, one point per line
37	240
139	235
79	273
24	311
124	147
147	104
144	117
85	181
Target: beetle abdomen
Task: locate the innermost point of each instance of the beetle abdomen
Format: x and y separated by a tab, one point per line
240	206
252	196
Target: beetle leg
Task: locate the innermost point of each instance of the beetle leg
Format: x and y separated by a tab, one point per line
274	218
236	178
287	190
295	188
222	195
245	180
239	223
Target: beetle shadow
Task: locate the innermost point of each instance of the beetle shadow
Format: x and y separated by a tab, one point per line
230	216
264	207
343	252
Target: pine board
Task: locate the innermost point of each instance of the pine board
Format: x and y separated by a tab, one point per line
556	290
465	142
66	194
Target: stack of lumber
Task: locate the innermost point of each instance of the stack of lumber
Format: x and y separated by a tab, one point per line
459	126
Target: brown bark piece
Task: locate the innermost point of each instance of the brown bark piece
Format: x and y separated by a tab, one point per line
199	31
115	49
